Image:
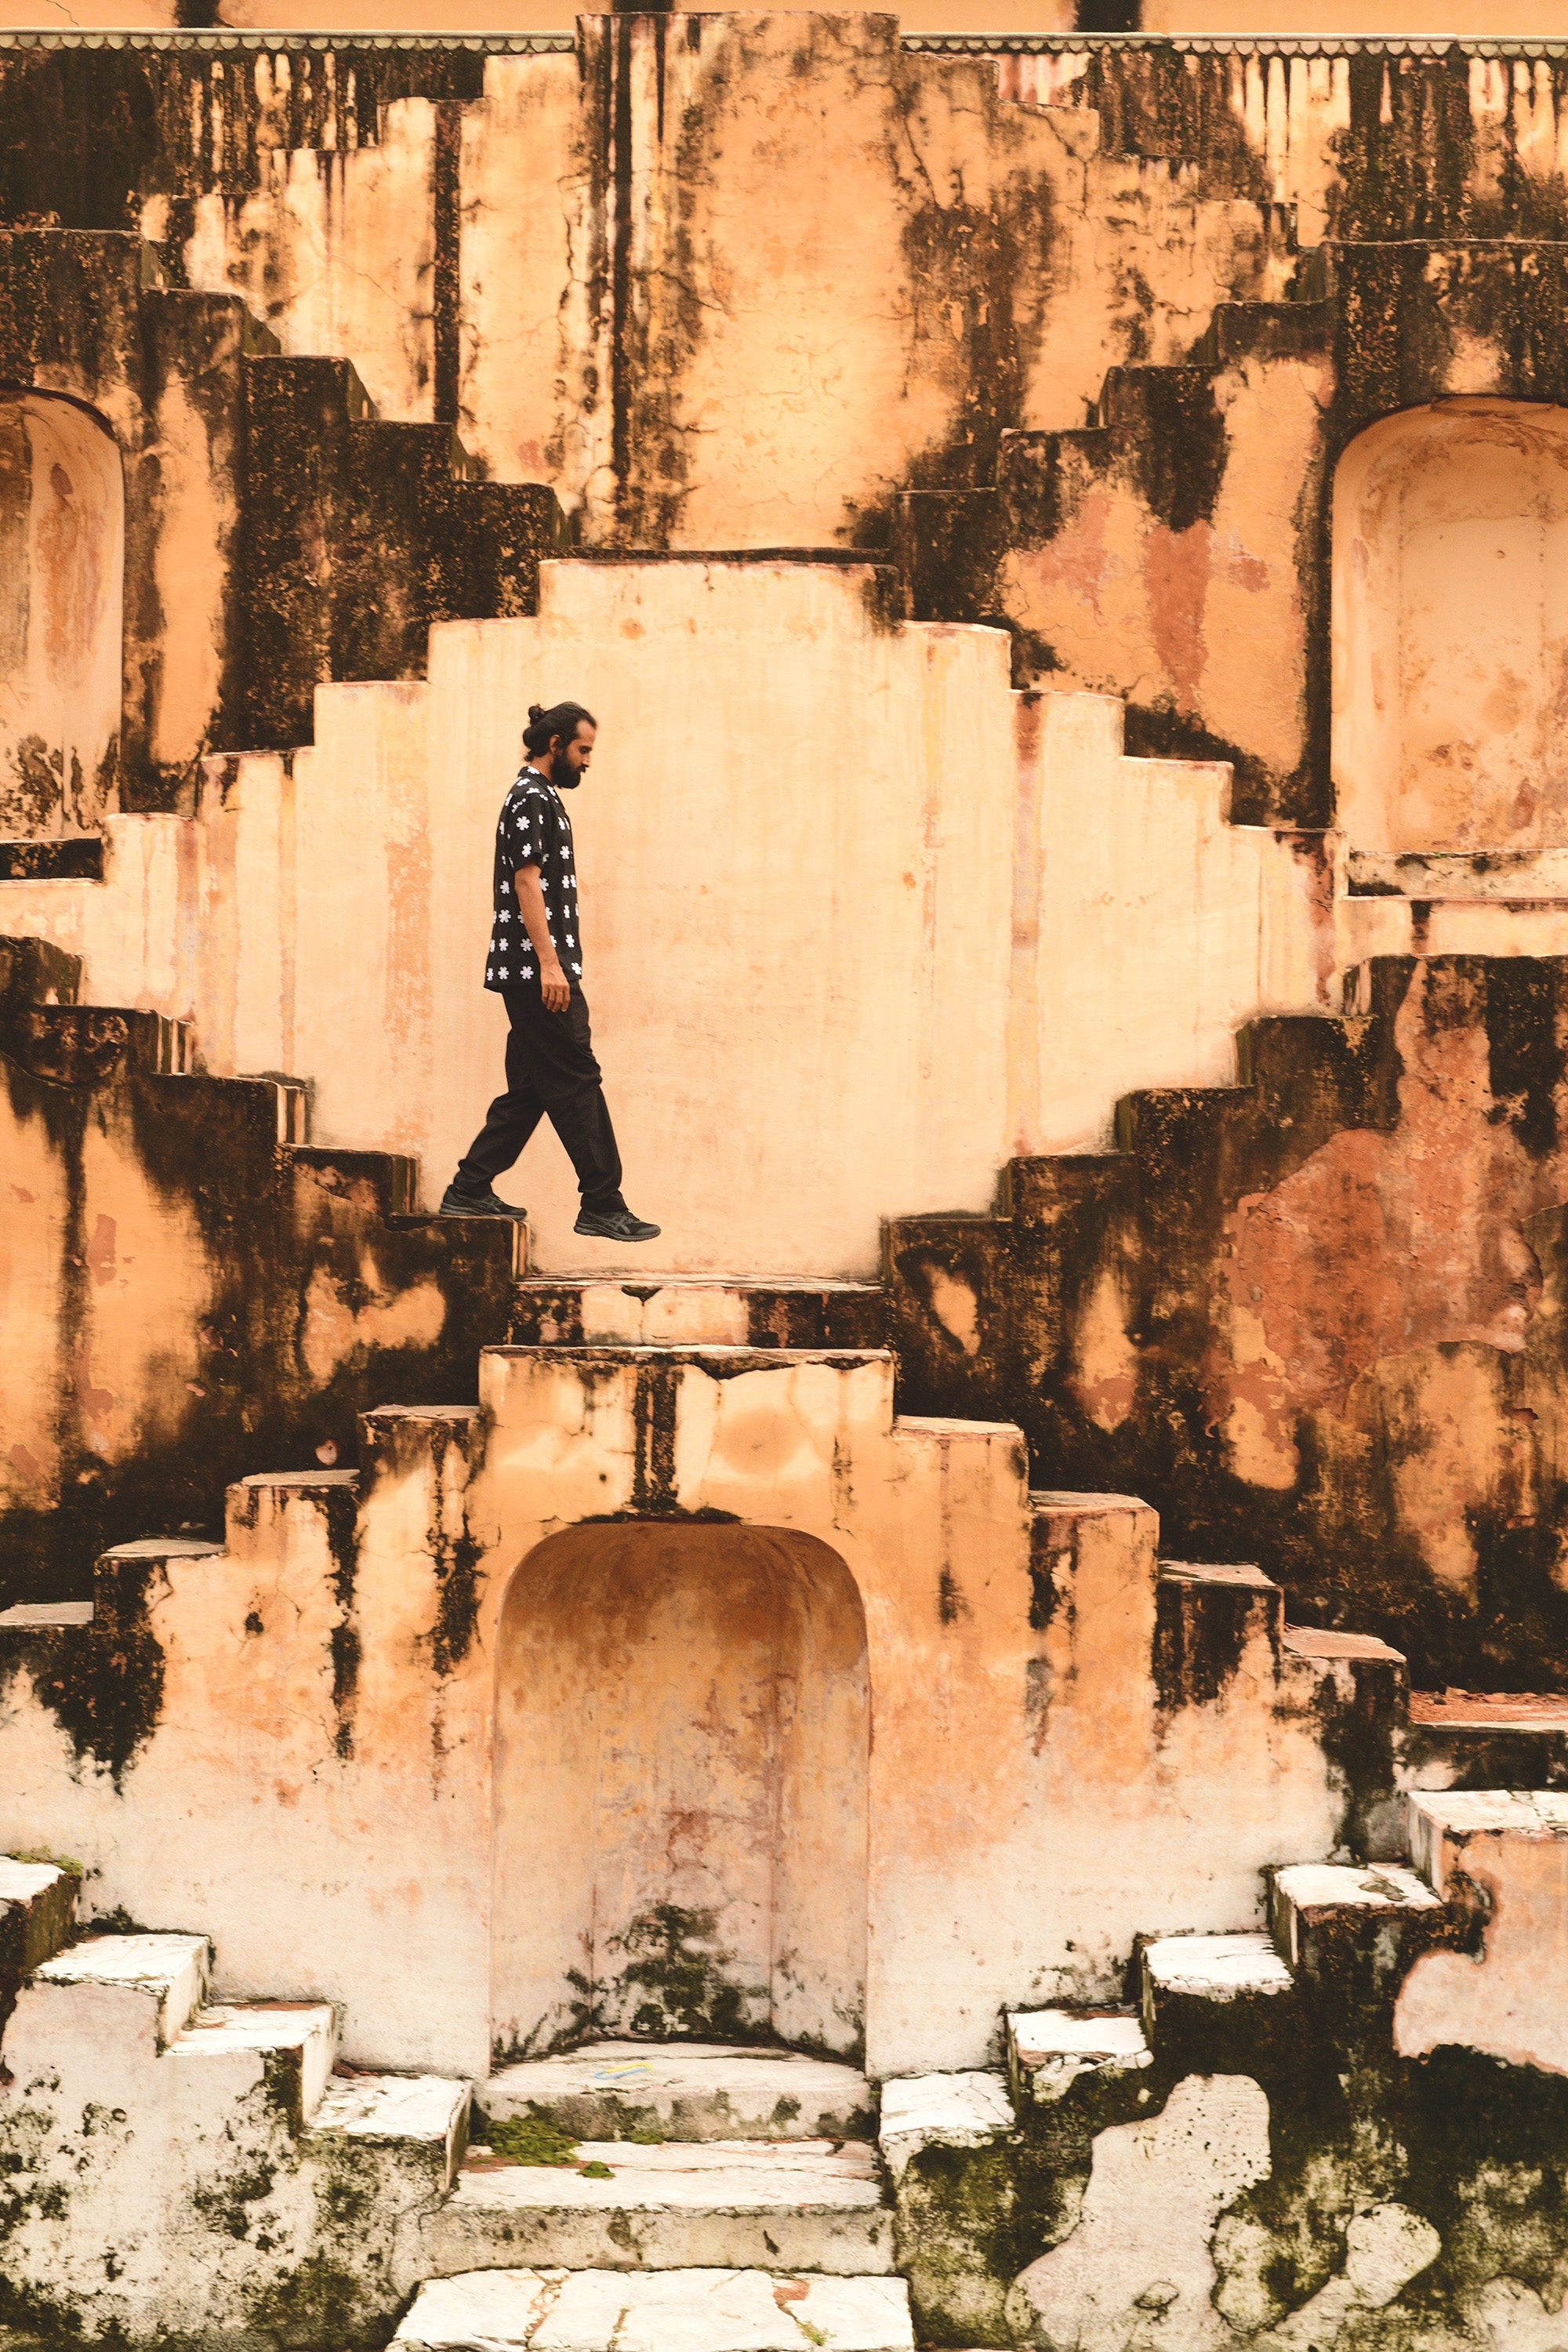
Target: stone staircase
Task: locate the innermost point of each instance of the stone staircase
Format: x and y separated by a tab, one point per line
294	1279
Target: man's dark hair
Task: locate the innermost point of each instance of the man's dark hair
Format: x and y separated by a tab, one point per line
561	718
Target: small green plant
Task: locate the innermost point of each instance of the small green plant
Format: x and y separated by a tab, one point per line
596	2171
646	2136
531	2139
61	1861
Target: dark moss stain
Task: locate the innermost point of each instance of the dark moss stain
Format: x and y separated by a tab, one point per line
1525	1055
339	1505
952	1608
1201	1633
103	1683
456	1558
677	1979
652	1424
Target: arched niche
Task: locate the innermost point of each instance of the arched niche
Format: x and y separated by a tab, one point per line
682	1735
62	558
1450	630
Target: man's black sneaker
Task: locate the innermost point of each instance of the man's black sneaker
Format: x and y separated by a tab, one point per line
488	1204
614	1225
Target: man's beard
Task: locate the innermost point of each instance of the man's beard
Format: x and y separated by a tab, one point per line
566	778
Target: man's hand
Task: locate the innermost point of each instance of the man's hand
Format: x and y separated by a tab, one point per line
553	985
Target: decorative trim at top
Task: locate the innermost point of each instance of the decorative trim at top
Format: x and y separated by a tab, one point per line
1240	45
218	40
221	41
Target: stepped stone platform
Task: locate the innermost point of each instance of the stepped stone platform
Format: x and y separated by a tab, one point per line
686	2091
811	2205
659	2311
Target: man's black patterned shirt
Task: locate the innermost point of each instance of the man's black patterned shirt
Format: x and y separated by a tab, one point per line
533	829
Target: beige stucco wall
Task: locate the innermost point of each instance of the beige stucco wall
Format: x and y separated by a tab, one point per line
1147	928
335	252
851	908
799	1029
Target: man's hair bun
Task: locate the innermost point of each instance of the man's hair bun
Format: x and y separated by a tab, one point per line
562	719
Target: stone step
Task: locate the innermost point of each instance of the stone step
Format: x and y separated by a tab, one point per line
1500	1857
683	1311
921	2111
1357	1689
801	2205
1211	1624
1185	1974
1487	1739
1315	1906
420	2122
1049	2048
139	1991
685	2091
37	1907
659	2311
297	2041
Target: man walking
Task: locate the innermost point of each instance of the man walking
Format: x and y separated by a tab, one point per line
535	965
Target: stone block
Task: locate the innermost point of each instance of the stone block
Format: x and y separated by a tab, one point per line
1503	1855
1049	2048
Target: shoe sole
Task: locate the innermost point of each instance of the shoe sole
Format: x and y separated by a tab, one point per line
600	1234
491	1216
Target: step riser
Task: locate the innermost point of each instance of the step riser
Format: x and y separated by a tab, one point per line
838	2246
754	2095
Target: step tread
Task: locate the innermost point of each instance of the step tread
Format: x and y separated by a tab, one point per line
715	2176
1091	2037
154	1961
644	1286
1216	1967
24	1882
1311	1887
1223	1572
960	2110
1517	1812
1459	1710
390	2106
741	2093
259	2025
727	1351
1320	1641
661	2311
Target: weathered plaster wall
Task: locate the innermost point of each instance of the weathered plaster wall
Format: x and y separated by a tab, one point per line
929	917
335	252
311	1710
1314	1318
724	806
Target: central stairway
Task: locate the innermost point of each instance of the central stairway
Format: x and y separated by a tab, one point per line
715	2197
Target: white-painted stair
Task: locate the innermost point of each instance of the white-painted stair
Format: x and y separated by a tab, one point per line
659	2311
800	2205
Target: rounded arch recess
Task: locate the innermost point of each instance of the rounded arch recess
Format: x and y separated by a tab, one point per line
682	1752
1450	631
62	565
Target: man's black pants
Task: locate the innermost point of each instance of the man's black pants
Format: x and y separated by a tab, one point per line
549	1071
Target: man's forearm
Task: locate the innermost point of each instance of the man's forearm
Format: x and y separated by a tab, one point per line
531	906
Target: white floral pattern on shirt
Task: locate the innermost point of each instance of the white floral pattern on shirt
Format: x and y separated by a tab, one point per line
533	829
